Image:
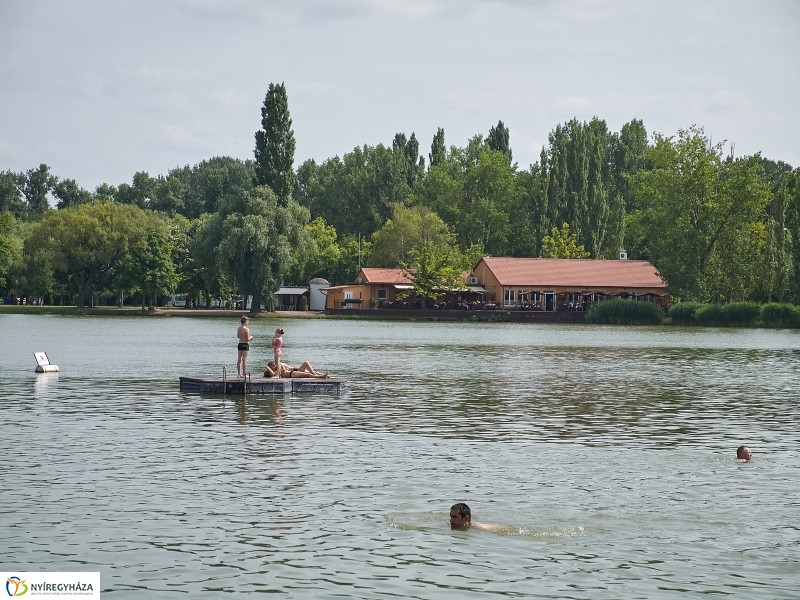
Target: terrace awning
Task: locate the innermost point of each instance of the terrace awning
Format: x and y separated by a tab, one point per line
290	291
400	286
477	289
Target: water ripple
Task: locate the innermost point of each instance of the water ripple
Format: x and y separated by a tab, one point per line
603	455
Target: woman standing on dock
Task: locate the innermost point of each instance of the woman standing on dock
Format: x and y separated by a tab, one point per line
277	344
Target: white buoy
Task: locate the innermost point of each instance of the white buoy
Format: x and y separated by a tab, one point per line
43	363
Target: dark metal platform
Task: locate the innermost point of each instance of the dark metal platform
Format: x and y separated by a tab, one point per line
214	384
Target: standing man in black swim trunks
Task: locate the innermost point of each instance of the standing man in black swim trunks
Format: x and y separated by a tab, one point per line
244	336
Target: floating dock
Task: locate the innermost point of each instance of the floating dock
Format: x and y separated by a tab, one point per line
260	385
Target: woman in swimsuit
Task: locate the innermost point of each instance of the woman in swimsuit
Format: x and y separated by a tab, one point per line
277	344
304	370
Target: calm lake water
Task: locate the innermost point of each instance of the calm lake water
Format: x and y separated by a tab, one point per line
606	455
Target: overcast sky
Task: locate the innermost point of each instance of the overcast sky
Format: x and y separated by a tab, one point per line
100	90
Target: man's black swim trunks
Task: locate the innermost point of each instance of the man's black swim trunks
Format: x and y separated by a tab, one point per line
244	347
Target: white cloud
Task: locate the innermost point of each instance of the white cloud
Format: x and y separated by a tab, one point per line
173	136
99	90
317	11
12	150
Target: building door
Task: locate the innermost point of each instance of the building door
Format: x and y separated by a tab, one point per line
549	301
348	296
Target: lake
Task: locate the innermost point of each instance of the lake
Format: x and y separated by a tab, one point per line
605	456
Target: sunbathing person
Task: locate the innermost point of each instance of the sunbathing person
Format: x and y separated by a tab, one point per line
304	370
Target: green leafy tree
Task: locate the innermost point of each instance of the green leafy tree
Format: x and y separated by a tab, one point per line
141	192
212	180
152	266
498	139
69	194
170	192
10	195
627	158
578	187
698	213
105	193
203	270
793	227
433	270
474	193
275	145
562	244
36	185
351	255
88	243
355	194
10	246
438	150
774	271
527	228
408	229
322	252
407	151
256	240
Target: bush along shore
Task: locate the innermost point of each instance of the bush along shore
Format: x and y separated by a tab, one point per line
736	314
625	312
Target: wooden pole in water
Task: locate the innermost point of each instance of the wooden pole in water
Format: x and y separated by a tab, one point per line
224	380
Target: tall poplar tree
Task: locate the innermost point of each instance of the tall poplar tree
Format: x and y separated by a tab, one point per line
274	152
498	139
577	183
438	150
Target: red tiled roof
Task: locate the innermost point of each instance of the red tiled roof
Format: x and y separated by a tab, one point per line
390	276
577	273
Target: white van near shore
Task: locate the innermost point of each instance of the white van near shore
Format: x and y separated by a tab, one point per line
177	300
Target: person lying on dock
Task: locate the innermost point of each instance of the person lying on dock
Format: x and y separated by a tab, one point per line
461	518
304	370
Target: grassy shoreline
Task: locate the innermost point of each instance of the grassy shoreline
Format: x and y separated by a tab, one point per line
136	311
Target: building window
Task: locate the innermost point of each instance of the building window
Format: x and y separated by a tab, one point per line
509	297
381	294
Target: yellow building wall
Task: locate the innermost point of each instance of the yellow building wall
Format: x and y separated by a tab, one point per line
364	292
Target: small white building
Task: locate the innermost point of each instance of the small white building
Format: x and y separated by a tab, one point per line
316	299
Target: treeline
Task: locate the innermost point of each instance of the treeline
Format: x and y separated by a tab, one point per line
718	227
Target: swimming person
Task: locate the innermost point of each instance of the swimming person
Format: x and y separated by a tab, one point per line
243	333
743	453
461	517
277	344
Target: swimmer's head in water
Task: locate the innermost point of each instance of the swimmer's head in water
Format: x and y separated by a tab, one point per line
460	516
743	453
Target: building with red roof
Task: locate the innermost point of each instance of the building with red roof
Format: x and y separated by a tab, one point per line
381	284
539	284
551	284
